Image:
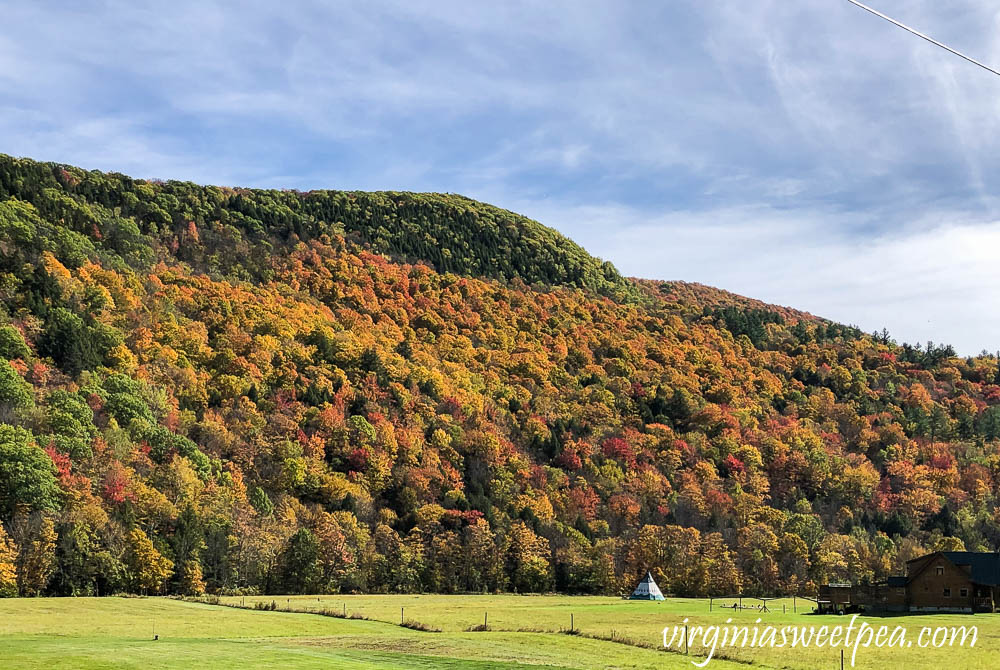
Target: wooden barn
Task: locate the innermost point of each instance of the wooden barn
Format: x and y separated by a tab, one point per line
953	581
944	581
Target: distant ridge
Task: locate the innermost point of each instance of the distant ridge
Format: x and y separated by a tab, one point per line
451	232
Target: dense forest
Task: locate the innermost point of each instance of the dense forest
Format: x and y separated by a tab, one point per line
247	391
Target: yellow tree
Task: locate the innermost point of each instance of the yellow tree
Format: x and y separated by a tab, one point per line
37	559
757	547
192	582
8	566
721	574
483	564
148	568
529	560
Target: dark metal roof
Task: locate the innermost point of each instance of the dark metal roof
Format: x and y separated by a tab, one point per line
984	567
896	581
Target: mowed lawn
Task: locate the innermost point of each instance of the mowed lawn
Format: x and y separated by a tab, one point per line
85	633
118	633
644	621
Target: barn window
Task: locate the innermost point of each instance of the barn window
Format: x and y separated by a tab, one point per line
939	570
963	592
947	593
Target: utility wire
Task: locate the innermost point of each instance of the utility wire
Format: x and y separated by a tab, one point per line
922	36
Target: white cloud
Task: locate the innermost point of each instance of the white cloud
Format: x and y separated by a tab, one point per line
936	280
806	153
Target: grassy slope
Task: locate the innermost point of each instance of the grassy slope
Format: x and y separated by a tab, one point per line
86	633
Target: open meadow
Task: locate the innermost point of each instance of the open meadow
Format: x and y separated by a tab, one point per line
524	631
643	622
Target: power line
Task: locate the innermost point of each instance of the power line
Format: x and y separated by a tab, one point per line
922	36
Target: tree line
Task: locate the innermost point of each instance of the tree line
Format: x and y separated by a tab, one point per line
246	391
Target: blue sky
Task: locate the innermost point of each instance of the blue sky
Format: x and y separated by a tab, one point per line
806	153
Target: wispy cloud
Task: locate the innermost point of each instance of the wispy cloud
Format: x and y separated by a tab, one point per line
935	280
805	152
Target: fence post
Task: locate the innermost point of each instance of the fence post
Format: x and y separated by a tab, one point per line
571	626
793	605
710	603
345	610
400	616
685	638
485	616
841	659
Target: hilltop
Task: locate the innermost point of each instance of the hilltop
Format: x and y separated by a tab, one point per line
450	232
272	391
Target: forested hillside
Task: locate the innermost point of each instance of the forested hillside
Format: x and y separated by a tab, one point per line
271	391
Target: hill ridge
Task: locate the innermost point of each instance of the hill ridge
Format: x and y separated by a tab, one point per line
207	389
452	232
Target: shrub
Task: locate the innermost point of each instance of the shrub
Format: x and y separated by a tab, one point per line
416	625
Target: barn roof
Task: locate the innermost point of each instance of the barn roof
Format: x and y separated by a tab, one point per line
984	567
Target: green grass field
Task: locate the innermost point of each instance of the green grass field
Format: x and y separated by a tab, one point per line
118	633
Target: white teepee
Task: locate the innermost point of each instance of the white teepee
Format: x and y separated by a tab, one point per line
647	590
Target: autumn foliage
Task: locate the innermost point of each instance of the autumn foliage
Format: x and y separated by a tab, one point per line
205	388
